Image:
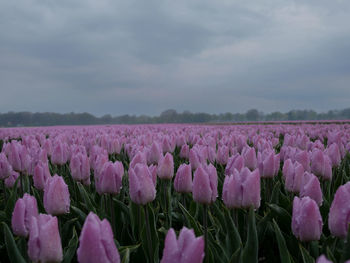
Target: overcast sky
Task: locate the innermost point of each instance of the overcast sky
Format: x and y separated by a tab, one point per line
142	57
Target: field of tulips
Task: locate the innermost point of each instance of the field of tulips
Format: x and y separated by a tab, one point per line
175	193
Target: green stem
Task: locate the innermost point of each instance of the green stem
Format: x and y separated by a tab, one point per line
148	233
205	225
112	214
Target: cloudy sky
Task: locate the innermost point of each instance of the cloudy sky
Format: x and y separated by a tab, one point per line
142	57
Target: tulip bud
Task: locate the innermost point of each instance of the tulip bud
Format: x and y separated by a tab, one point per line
59	154
141	186
56	196
5	167
249	157
110	179
222	155
44	243
204	184
293	174
183	179
310	186
334	154
186	249
25	208
166	167
185	151
194	159
96	243
321	164
138	158
41	174
242	189
80	168
339	213
234	162
11	180
154	154
306	219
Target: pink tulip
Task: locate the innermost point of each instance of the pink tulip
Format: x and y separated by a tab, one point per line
310	186
195	159
80	168
303	158
203	187
110	178
292	173
140	157
183	179
323	259
321	165
267	164
154	154
41	175
186	249
249	157
25	208
96	242
5	167
242	189
11	180
184	152
334	154
222	155
234	162
166	167
56	196
339	213
306	219
59	154
141	186
44	243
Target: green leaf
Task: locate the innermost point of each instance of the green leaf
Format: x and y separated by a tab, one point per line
305	255
234	239
125	256
12	200
275	193
236	256
191	220
250	251
281	214
284	253
11	247
122	207
87	199
154	246
80	213
69	251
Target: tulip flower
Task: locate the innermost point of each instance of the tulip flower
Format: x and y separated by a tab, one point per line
80	168
140	157
234	162
25	208
154	154
44	243
141	186
5	167
339	213
321	165
186	249
41	175
249	157
183	179
185	151
267	162
334	154
310	186
222	155
204	184
96	243
59	153
195	159
166	167
242	189
110	178
306	219
292	172
10	181
56	196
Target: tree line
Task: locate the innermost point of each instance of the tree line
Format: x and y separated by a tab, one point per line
17	119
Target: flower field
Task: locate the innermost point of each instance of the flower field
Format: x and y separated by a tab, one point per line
176	193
